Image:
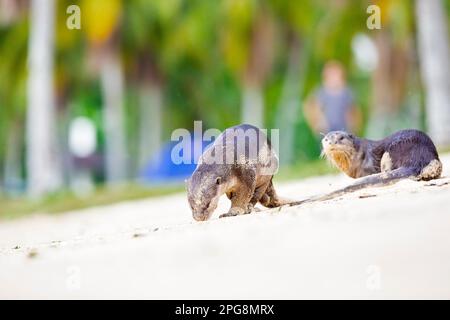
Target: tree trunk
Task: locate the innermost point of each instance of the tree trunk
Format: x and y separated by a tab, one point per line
259	64
253	106
388	85
150	126
434	56
42	166
290	101
111	77
13	169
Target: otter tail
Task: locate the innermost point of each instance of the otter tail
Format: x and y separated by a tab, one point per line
376	180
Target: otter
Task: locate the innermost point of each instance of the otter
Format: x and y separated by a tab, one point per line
404	154
241	164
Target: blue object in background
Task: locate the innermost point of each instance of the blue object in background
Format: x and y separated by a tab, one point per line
161	168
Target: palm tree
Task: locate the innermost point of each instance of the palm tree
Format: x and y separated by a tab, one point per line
393	75
161	37
43	169
249	47
293	18
101	23
13	75
434	53
144	44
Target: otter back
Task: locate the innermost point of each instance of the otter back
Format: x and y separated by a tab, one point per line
241	164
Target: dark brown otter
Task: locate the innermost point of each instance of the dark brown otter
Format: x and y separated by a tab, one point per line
240	164
405	154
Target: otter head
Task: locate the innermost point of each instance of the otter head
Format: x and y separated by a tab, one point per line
340	148
204	190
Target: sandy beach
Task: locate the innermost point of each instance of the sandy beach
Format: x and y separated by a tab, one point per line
391	242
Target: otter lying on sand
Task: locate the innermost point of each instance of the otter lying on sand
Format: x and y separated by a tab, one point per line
240	164
405	154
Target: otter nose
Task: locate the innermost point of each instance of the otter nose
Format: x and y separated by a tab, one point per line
338	137
334	137
200	216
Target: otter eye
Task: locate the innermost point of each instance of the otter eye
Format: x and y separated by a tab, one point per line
218	180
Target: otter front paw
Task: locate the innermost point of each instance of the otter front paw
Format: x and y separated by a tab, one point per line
251	208
235	211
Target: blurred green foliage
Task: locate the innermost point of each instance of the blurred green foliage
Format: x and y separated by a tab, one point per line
64	201
198	53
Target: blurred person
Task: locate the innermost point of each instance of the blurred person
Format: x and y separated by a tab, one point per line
332	106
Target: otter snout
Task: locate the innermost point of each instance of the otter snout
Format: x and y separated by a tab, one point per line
334	137
203	213
200	216
337	139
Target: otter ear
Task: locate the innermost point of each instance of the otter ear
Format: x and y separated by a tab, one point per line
218	180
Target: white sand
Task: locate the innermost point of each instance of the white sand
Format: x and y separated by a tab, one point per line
393	245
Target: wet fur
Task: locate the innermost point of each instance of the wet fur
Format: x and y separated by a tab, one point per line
411	149
242	182
405	154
